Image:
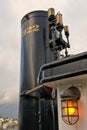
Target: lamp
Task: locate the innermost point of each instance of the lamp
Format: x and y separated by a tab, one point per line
69	105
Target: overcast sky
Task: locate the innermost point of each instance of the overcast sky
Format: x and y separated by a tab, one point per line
11	12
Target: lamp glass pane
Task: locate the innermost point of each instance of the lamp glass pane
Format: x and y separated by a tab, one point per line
70	112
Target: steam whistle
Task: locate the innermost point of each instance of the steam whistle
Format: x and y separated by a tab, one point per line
56	43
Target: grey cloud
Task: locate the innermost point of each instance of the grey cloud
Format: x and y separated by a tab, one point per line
9	110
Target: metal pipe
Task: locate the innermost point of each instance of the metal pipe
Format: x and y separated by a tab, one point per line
26	92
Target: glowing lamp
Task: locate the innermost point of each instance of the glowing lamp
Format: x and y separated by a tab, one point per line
69	105
70	109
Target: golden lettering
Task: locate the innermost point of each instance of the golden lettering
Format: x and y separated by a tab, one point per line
29	29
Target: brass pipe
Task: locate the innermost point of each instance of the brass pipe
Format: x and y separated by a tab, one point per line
66	29
59	19
51	12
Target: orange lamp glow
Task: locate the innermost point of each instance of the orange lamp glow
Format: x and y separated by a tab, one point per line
69	109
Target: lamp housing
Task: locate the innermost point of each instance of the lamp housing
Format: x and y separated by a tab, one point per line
69	105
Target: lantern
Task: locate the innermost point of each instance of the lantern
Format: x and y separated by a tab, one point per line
69	105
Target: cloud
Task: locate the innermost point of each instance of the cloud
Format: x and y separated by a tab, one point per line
5	99
9	95
9	110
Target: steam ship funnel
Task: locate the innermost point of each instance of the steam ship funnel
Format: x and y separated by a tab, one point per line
34	53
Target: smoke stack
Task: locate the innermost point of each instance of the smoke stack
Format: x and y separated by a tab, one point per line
34	53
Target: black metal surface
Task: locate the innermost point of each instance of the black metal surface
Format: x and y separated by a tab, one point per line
42	114
69	67
28	113
70	59
34	53
63	76
48	114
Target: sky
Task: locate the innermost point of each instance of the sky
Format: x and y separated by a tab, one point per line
11	12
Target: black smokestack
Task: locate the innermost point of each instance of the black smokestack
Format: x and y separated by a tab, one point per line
34	53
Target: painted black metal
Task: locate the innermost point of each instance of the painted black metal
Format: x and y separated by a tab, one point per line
64	61
63	76
64	68
48	114
34	53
